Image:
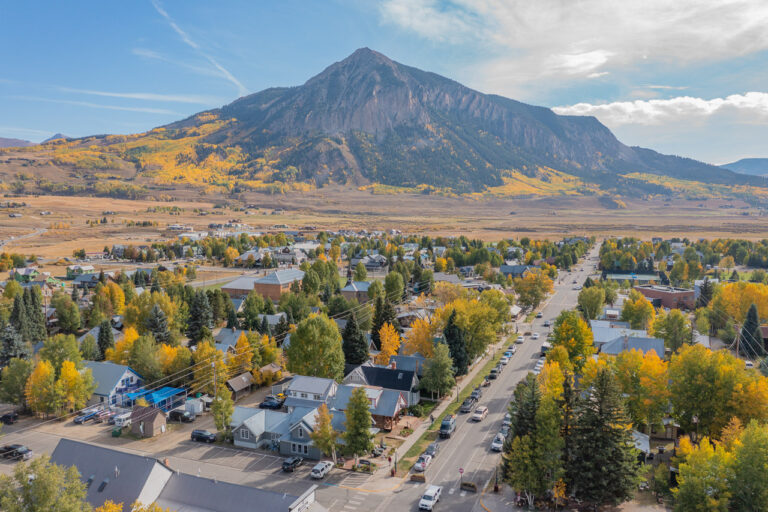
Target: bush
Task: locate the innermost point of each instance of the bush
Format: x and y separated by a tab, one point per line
416	410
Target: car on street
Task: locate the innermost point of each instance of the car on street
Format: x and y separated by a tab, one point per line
504	430
494	373
535	336
15	452
519	339
547	323
498	443
181	416
202	436
539	314
321	469
430	497
291	463
480	413
9	418
468	404
422	463
432	450
476	393
504	360
447	426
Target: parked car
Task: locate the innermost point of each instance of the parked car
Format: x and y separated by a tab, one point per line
432	450
498	443
480	413
749	364
467	405
535	336
291	463
447	426
504	360
271	402
519	339
476	393
504	430
539	314
547	323
181	416
9	418
422	463
203	436
430	497
85	417
321	469
15	452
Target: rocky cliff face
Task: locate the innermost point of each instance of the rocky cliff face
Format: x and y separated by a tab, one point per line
368	118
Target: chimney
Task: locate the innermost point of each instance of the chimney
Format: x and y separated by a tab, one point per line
393	365
626	342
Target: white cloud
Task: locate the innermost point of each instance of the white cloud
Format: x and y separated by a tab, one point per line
527	41
147	96
241	89
99	105
667	87
751	107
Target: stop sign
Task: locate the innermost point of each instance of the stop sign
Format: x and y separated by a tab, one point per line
461	471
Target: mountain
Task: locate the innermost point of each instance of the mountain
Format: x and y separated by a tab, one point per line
13	143
752	166
368	118
370	121
54	137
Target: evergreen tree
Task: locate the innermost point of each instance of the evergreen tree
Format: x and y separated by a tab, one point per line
106	338
751	342
75	296
706	290
157	324
20	319
102	277
604	467
155	288
265	328
384	312
35	312
358	439
89	349
12	345
200	318
523	407
283	327
734	275
354	343
269	307
232	322
454	338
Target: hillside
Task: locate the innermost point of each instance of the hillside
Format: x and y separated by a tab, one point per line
10	143
370	122
752	166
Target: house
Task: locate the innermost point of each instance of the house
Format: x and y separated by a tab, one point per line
406	318
77	270
287	432
289	256
371	262
356	290
123	477
272	320
86	280
117	335
632	278
240	287
516	271
165	398
404	381
669	296
604	331
386	405
273	285
443	277
240	385
113	382
414	363
147	421
226	339
625	343
25	275
303	391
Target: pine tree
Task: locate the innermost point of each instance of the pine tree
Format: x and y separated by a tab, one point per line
157	324
265	328
75	296
20	319
751	339
706	290
384	313
106	338
527	397
232	322
12	345
354	343
36	314
603	468
89	349
200	318
283	327
454	338
102	277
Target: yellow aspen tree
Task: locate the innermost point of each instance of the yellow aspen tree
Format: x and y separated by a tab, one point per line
390	343
40	389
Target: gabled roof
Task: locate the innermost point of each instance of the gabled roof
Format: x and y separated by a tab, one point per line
282	277
240	382
140	413
357	286
228	336
387	378
515	270
107	375
626	343
241	283
386	402
413	363
304	384
95	333
272	320
126	474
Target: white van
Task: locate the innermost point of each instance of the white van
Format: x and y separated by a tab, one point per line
123	420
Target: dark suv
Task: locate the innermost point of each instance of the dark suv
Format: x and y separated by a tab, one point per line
447	426
9	418
181	416
203	436
15	452
291	463
468	405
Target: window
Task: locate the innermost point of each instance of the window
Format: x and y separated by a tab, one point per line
306	450
293	447
244	434
301	432
316	397
303	395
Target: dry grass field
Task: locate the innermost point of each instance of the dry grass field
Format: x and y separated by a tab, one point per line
66	228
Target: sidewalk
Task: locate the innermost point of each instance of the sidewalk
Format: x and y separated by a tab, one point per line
425	424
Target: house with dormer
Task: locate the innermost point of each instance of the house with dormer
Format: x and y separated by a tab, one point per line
386	405
309	392
403	381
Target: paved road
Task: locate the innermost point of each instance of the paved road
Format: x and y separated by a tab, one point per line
469	447
35	233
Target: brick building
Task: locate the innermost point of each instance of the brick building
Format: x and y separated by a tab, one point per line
669	296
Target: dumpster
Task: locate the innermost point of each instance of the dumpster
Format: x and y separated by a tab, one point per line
117	431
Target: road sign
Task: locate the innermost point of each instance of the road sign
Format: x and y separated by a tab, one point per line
461	471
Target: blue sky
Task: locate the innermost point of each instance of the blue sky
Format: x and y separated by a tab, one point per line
686	77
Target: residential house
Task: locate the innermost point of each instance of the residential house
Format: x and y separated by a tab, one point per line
406	318
669	296
303	391
604	331
113	382
516	271
226	339
25	274
273	285
404	381
88	280
240	385
289	256
123	477
147	421
77	270
240	287
273	320
443	277
626	343
357	290
117	335
414	362
386	405
372	262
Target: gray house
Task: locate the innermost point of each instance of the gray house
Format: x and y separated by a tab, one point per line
309	392
404	381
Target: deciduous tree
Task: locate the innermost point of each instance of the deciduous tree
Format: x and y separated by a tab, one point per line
358	439
390	344
324	435
315	349
438	371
